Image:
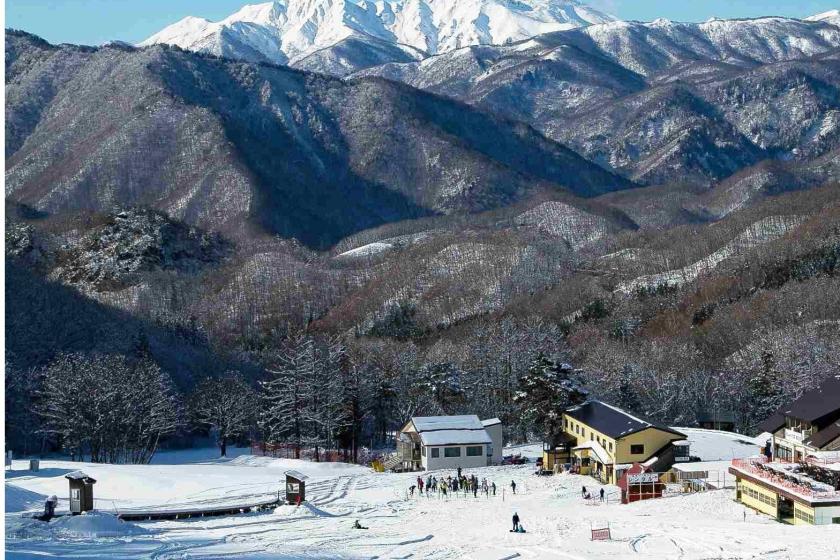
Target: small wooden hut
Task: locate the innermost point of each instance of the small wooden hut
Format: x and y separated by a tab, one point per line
295	487
81	492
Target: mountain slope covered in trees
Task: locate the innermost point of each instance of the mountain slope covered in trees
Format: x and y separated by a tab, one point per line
222	144
202	223
659	101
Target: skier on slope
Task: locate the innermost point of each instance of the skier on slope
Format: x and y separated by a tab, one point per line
513	486
515	522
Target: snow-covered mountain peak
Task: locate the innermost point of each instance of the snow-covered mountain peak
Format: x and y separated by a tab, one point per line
290	30
831	16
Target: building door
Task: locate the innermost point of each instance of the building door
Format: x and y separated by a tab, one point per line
785	509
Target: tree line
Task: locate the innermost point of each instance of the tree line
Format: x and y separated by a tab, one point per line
315	393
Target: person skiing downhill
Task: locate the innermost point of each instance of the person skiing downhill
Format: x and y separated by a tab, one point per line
513	486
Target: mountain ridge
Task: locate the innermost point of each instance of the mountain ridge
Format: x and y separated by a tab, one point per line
197	137
287	31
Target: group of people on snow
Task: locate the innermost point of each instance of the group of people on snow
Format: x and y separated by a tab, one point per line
456	483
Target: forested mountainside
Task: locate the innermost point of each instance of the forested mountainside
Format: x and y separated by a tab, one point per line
661	101
413	253
222	144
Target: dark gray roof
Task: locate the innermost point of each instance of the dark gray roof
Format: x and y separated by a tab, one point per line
612	421
773	423
825	436
816	404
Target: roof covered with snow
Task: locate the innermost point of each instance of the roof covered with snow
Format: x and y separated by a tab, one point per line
79	475
455	437
597	450
490	422
296	475
452	430
611	421
431	423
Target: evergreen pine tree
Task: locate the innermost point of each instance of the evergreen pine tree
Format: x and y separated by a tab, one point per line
546	391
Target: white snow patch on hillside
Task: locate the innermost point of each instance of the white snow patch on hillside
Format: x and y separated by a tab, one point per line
367	250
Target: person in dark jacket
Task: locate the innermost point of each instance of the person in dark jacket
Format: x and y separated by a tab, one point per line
513	486
515	522
583	491
602	494
459	472
493	486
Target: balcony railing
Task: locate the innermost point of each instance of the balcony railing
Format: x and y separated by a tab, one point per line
798	437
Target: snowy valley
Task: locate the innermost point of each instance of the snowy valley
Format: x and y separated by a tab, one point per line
309	222
557	520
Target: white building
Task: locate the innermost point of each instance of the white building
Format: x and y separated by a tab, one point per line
449	442
493	426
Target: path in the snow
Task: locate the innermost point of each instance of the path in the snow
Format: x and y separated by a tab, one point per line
558	521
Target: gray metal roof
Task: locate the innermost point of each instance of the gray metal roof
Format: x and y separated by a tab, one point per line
432	423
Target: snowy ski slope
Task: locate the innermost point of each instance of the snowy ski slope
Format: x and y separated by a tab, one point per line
558	521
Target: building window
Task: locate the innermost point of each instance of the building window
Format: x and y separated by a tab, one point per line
835	520
452	452
637	449
577	430
489	450
610	447
435	452
803	516
423	450
474	451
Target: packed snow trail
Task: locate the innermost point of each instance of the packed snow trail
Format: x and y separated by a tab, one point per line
557	519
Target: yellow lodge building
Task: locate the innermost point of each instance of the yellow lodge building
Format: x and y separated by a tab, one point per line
603	441
797	480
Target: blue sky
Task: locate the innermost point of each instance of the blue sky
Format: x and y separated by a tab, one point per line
95	21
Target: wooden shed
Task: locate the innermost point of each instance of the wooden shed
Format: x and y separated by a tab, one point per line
295	487
81	492
639	483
